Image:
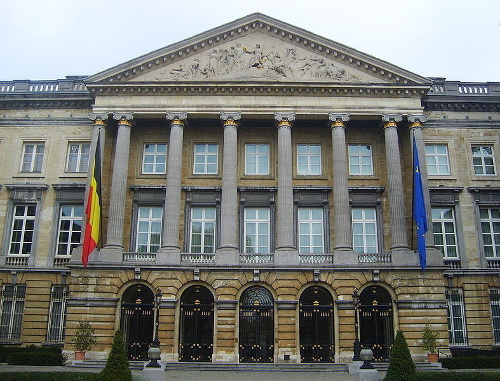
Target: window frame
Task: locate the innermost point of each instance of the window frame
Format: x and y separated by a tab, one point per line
360	156
451	318
205	163
70	231
33	161
155	156
308	155
150	220
495	317
436	156
79	162
491	221
14	326
56	323
257	155
309	223
482	157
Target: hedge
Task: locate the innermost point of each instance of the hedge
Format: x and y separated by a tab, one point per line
458	376
36	358
480	362
6	351
49	376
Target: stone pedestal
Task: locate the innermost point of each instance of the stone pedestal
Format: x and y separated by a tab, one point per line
154	374
367	375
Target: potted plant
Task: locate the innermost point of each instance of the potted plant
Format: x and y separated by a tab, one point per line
83	340
430	343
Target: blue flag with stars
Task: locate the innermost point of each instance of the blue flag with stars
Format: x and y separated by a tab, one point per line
419	211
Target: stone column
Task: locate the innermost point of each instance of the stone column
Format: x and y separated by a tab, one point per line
284	208
396	196
114	241
229	203
342	210
170	250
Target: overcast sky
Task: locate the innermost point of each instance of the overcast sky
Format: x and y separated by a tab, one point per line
51	39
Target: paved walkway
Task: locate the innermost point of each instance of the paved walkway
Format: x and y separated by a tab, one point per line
196	375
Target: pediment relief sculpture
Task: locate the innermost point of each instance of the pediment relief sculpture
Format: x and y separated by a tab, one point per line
258	58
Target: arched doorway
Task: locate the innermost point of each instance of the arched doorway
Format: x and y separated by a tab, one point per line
196	333
376	322
316	325
137	320
256	325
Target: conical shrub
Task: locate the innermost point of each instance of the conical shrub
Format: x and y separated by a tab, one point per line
117	366
401	365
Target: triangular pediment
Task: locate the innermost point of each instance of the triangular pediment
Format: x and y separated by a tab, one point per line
257	49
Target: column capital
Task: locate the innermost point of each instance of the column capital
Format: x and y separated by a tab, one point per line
284	120
177	116
227	116
391	120
338	120
417	120
124	118
98	118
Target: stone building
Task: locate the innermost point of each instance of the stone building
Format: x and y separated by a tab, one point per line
257	202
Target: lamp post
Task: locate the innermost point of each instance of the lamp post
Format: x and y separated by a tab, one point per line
367	356
357	344
154	351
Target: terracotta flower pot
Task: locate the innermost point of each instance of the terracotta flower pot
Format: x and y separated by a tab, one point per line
432	357
79	355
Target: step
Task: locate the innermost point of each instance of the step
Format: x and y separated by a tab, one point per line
421	366
258	367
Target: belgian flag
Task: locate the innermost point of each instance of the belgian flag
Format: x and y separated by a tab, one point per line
93	208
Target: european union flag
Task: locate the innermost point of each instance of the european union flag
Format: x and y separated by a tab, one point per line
419	212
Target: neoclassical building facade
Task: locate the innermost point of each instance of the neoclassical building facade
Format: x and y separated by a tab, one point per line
256	202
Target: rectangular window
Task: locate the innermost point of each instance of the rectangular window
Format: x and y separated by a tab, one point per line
11	317
33	157
149	228
257	159
309	159
70	229
154	159
457	331
360	159
78	157
490	231
205	159
482	160
495	314
57	314
23	225
436	158
364	230
257	230
202	230
311	232
445	236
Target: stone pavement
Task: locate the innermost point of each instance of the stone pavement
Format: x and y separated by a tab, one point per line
197	375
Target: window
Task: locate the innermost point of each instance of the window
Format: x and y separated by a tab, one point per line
154	159
311	232
360	159
23	224
495	314
445	236
11	317
149	228
70	229
57	314
78	157
257	230
257	159
364	230
308	159
202	230
482	159
205	159
32	157
436	158
490	231
456	317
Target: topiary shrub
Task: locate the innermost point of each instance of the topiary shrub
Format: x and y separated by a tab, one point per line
117	366
401	366
46	358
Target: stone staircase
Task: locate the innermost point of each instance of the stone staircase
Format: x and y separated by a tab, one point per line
258	367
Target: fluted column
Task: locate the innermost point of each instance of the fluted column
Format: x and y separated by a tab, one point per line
229	203
171	220
342	210
416	127
284	210
119	181
396	195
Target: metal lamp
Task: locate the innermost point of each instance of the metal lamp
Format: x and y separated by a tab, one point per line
366	355
154	352
357	344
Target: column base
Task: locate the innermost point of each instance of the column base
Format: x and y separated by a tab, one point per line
403	256
286	256
168	255
434	257
345	257
110	254
228	255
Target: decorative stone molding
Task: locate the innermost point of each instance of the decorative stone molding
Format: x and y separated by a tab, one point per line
226	304
284	118
287	304
390	120
124	118
177	116
93	302
230	116
98	118
420	304
168	303
338	120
